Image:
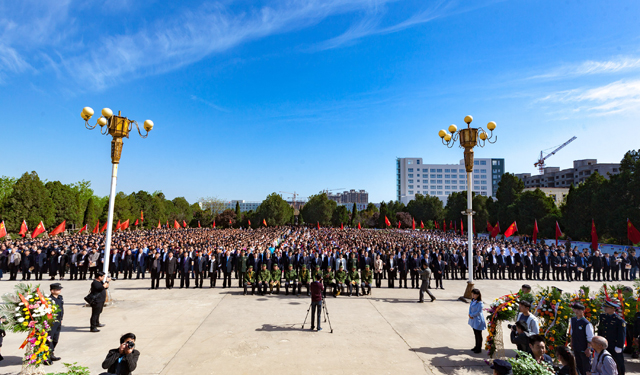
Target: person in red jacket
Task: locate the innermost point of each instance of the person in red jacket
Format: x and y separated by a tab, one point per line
316	300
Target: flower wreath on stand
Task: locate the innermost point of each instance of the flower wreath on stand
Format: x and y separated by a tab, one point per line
501	309
592	305
28	310
554	310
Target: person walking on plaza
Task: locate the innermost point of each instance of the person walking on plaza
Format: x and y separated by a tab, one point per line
476	318
425	275
98	295
613	328
581	333
56	327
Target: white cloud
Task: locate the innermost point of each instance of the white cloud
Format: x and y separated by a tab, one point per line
591	67
617	97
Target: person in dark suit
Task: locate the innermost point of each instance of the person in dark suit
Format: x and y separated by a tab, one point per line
128	264
26	264
53	265
170	269
124	359
56	327
439	271
40	264
212	265
156	269
403	269
114	264
73	264
596	262
502	265
185	263
615	267
392	268
141	263
606	267
528	265
227	269
200	269
99	295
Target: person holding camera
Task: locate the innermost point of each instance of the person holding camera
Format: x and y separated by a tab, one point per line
316	301
520	336
96	299
525	316
124	359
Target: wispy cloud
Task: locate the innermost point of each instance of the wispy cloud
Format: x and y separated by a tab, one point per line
208	103
591	67
617	97
10	62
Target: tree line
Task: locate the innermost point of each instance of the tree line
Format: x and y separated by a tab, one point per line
609	202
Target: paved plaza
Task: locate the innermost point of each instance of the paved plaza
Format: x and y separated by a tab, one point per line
219	331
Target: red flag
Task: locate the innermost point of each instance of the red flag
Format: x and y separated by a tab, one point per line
489	227
386	221
535	232
3	229
175	224
511	230
399	223
249	222
59	228
264	221
96	229
83	229
23	229
167	224
118	225
141	216
474	227
318	225
184	223
632	233
359	227
413	224
437	225
230	222
341	225
444	225
450	225
558	232
198	223
496	230
214	224
39	230
125	225
461	228
594	236
104	227
159	226
136	223
421	225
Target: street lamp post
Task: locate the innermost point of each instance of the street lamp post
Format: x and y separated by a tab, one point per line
118	127
468	140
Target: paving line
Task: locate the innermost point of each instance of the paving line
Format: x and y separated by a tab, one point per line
192	333
427	368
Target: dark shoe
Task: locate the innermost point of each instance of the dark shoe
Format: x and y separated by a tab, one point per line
1	357
312	328
54	358
101	325
420	301
95	330
477	351
433	299
319	329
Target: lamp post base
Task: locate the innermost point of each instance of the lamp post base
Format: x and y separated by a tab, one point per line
467	293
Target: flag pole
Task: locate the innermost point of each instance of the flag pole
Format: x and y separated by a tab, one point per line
107	244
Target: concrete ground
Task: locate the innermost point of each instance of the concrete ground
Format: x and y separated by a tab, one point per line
205	331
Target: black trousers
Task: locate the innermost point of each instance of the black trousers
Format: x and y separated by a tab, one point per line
226	281
170	279
55	335
415	283
213	276
241	278
199	279
439	281
478	335
155	279
403	277
378	277
184	279
96	310
583	364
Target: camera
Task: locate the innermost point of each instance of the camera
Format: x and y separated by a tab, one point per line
130	344
511	326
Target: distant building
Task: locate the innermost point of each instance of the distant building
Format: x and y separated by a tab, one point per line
440	180
559	195
244	205
351	196
582	169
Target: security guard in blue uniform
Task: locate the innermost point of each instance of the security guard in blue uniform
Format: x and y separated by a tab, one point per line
56	327
613	328
581	332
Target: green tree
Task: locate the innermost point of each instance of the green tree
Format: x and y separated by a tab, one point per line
226	218
275	210
383	214
6	187
533	205
582	205
65	200
182	210
354	213
238	209
509	188
424	208
28	200
84	192
340	216
91	213
319	209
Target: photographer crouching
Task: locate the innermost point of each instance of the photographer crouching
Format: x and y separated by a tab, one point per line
124	359
316	300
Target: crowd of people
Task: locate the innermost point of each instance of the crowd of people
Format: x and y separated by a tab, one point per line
264	261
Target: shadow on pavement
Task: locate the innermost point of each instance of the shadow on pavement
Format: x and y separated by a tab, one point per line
272	328
75	329
396	300
11	360
448	359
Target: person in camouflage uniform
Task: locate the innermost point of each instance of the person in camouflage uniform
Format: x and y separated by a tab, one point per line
291	279
276	275
264	277
327	280
249	279
341	280
367	278
354	280
305	278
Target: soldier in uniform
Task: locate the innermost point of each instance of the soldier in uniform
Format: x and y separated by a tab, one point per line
341	278
317	272
305	278
276	275
425	275
264	277
327	282
613	328
354	280
291	279
367	278
249	279
56	327
581	333
241	266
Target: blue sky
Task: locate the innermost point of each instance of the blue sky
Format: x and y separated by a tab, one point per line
252	97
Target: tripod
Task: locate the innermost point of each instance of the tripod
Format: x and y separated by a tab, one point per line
325	312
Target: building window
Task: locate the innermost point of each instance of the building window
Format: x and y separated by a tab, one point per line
410	175
447	171
409	162
418	175
447	187
417	161
483	171
432	187
433	192
439	176
439	193
433	176
410	170
447	181
483	176
439	187
418	181
411	181
447	192
410	186
438	181
484	193
475	162
483	188
483	162
411	192
461	171
432	170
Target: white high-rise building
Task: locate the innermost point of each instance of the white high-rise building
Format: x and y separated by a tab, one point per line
414	177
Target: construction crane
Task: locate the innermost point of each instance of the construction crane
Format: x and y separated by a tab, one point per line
326	191
295	195
540	163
